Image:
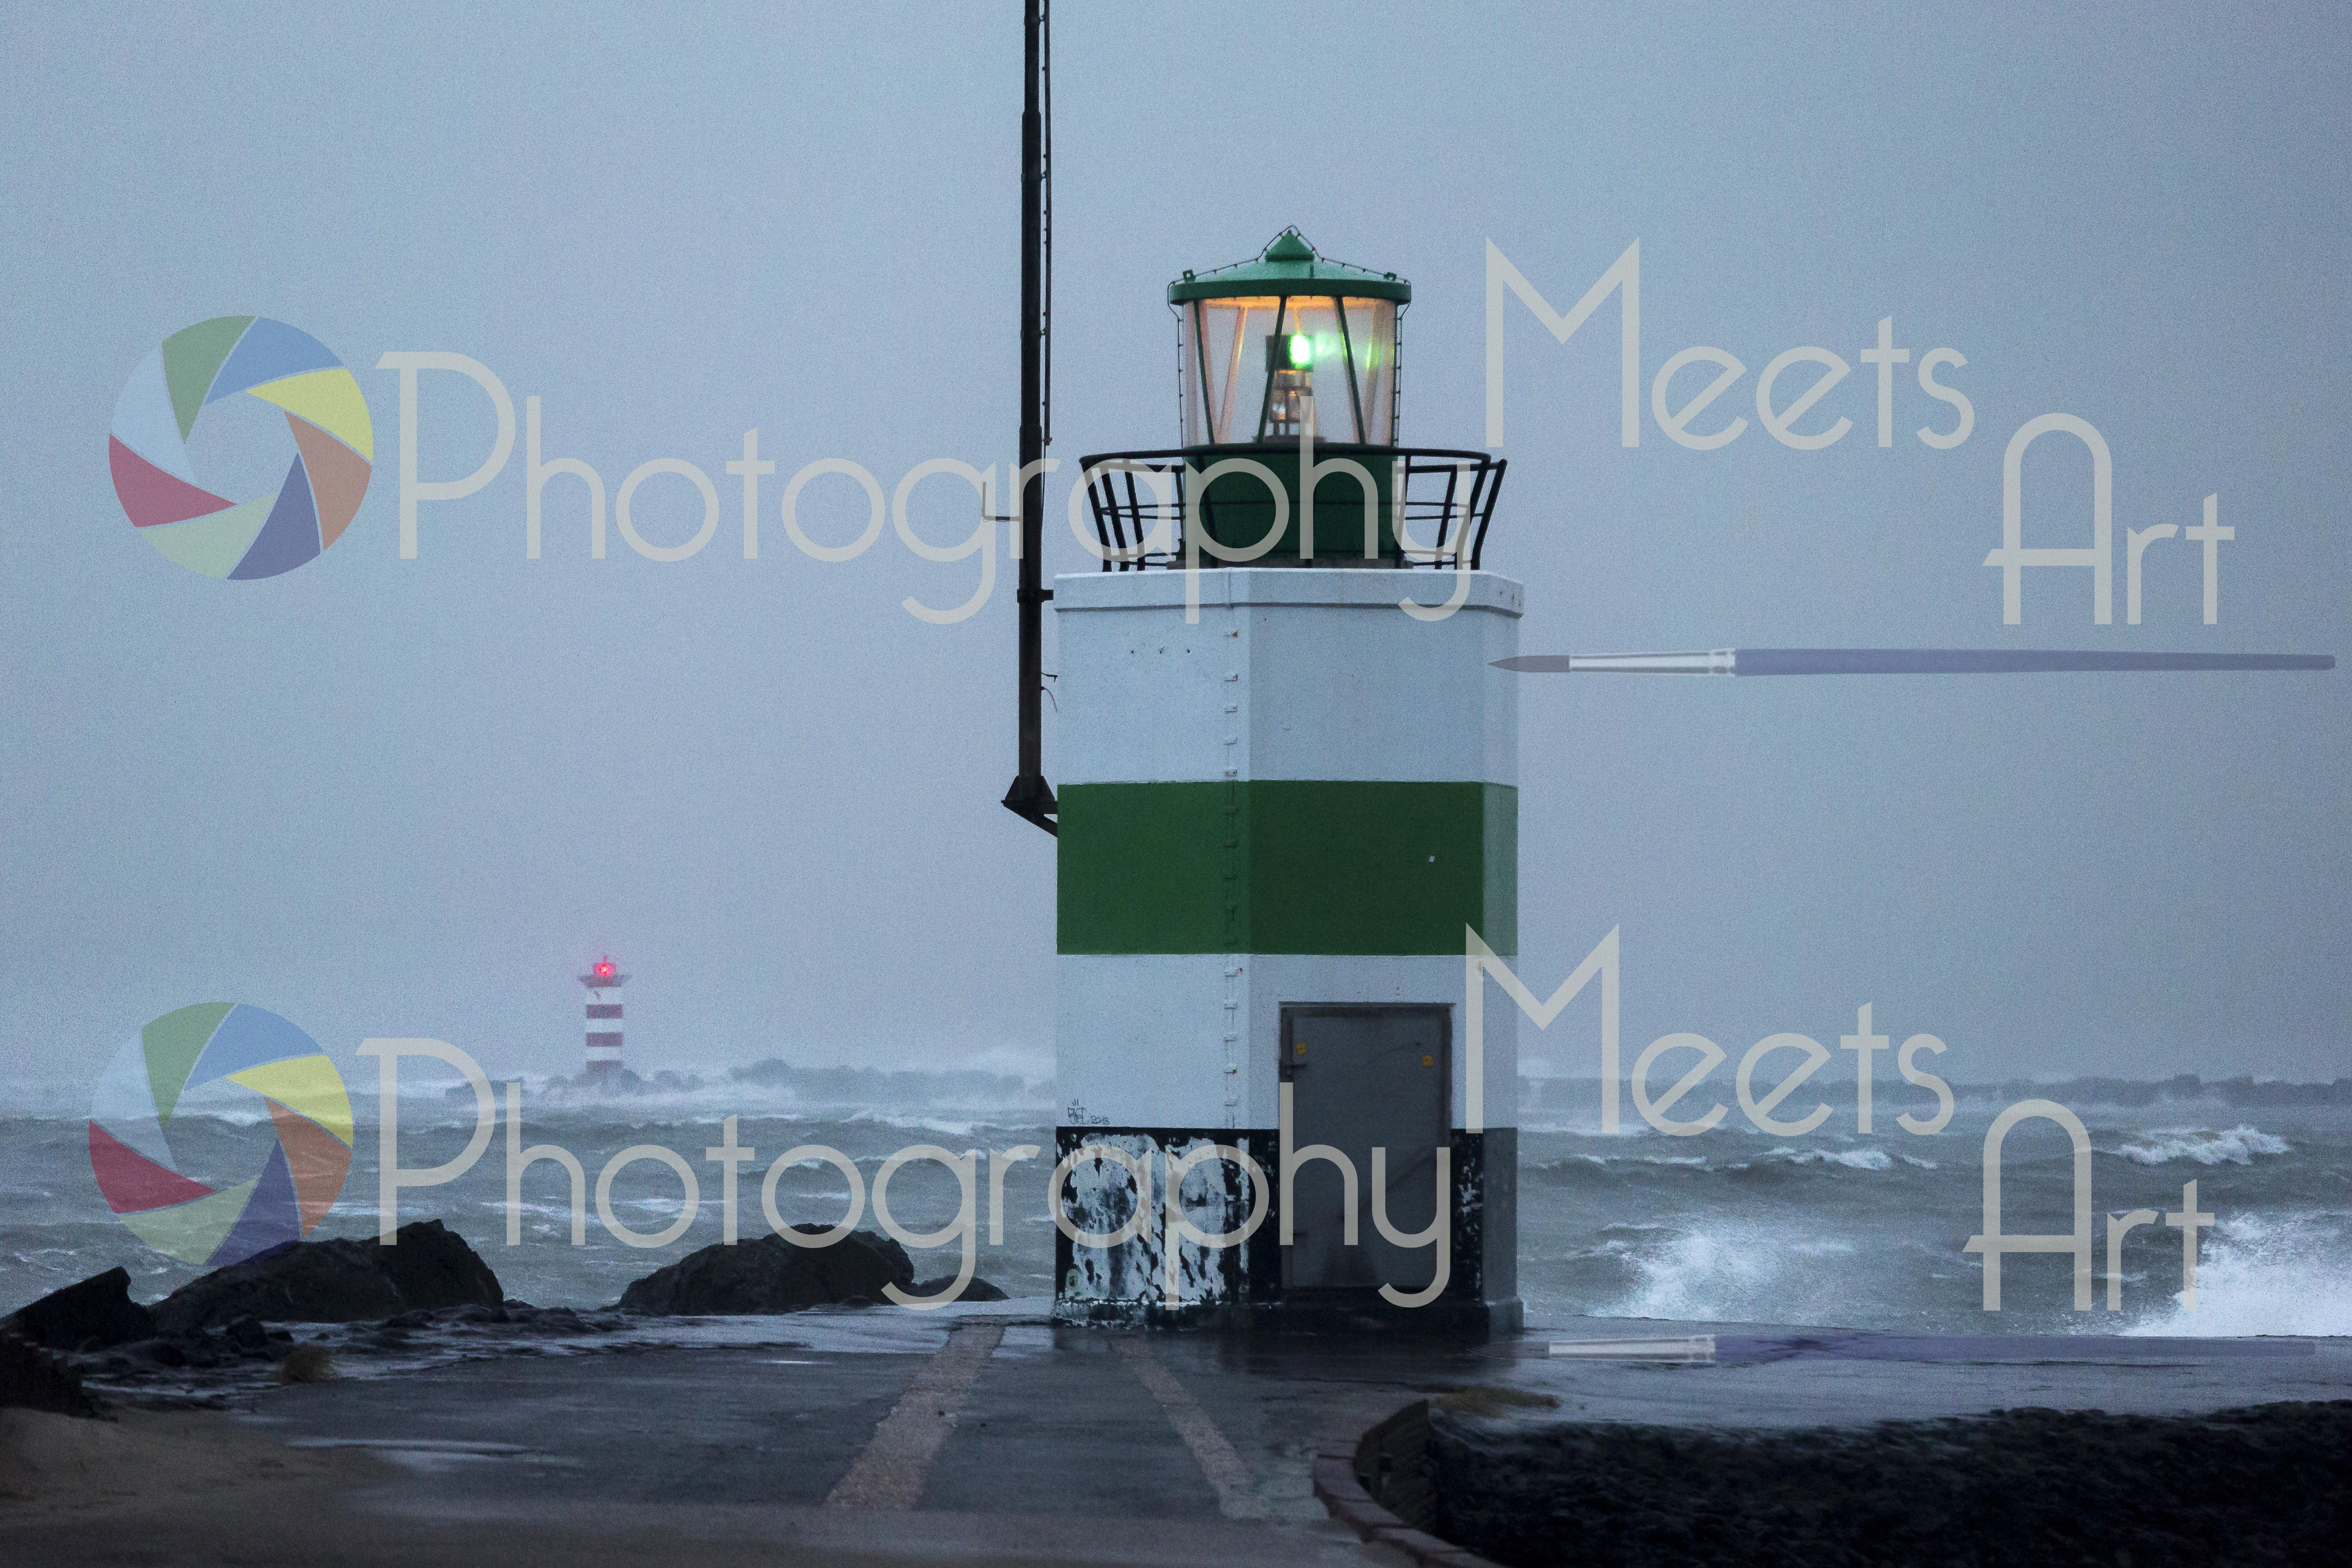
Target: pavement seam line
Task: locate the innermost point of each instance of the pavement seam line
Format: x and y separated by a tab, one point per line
1237	1496
896	1461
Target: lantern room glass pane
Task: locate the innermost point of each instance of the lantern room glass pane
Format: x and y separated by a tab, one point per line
1252	363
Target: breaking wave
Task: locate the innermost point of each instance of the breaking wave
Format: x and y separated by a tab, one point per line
1851	1159
1575	1168
2238	1147
2267	1274
1732	1272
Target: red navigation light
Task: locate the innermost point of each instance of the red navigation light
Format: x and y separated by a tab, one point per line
604	970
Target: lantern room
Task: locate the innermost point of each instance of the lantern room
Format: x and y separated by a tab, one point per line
1272	344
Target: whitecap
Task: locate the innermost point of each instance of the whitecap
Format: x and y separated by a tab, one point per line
1852	1159
2238	1147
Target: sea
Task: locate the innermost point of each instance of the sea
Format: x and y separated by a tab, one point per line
1835	1227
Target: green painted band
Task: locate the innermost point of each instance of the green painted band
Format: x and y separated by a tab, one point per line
1288	865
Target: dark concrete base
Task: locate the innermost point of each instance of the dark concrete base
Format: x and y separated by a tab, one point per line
1243	1286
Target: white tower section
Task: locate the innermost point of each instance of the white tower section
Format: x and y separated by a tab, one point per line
1276	822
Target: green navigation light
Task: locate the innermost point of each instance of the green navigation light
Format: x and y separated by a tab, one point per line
1302	352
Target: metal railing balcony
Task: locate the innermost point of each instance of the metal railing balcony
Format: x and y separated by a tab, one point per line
1430	505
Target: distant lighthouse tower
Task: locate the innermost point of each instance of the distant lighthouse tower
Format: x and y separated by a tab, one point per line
603	981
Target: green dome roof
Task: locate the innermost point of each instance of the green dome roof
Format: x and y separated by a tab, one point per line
1289	266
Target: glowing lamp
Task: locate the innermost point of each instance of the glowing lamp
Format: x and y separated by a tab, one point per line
1330	337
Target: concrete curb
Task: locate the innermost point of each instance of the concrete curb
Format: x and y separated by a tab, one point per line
1363	1479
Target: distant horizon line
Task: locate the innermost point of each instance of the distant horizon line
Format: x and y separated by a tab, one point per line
1538	1091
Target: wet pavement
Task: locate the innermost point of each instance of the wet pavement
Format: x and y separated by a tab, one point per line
988	1434
1051	1420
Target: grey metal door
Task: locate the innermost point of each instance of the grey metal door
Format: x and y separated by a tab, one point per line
1363	1077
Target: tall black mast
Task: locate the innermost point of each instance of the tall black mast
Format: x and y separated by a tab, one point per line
1031	797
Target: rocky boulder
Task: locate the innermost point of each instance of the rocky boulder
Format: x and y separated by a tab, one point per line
427	1266
771	1275
93	1315
33	1378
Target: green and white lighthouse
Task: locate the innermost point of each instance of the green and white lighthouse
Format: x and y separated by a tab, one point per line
1288	789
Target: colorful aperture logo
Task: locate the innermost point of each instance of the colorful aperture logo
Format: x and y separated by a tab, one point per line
169	1105
334	447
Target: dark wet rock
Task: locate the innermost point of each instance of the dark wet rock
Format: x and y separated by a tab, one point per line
97	1314
227	1358
894	1256
194	1348
433	1267
771	1275
975	1289
32	1377
429	1266
2266	1484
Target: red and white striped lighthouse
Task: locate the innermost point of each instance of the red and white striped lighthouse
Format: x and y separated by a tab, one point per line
603	981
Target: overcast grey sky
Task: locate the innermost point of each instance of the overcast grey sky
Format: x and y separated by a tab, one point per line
415	797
